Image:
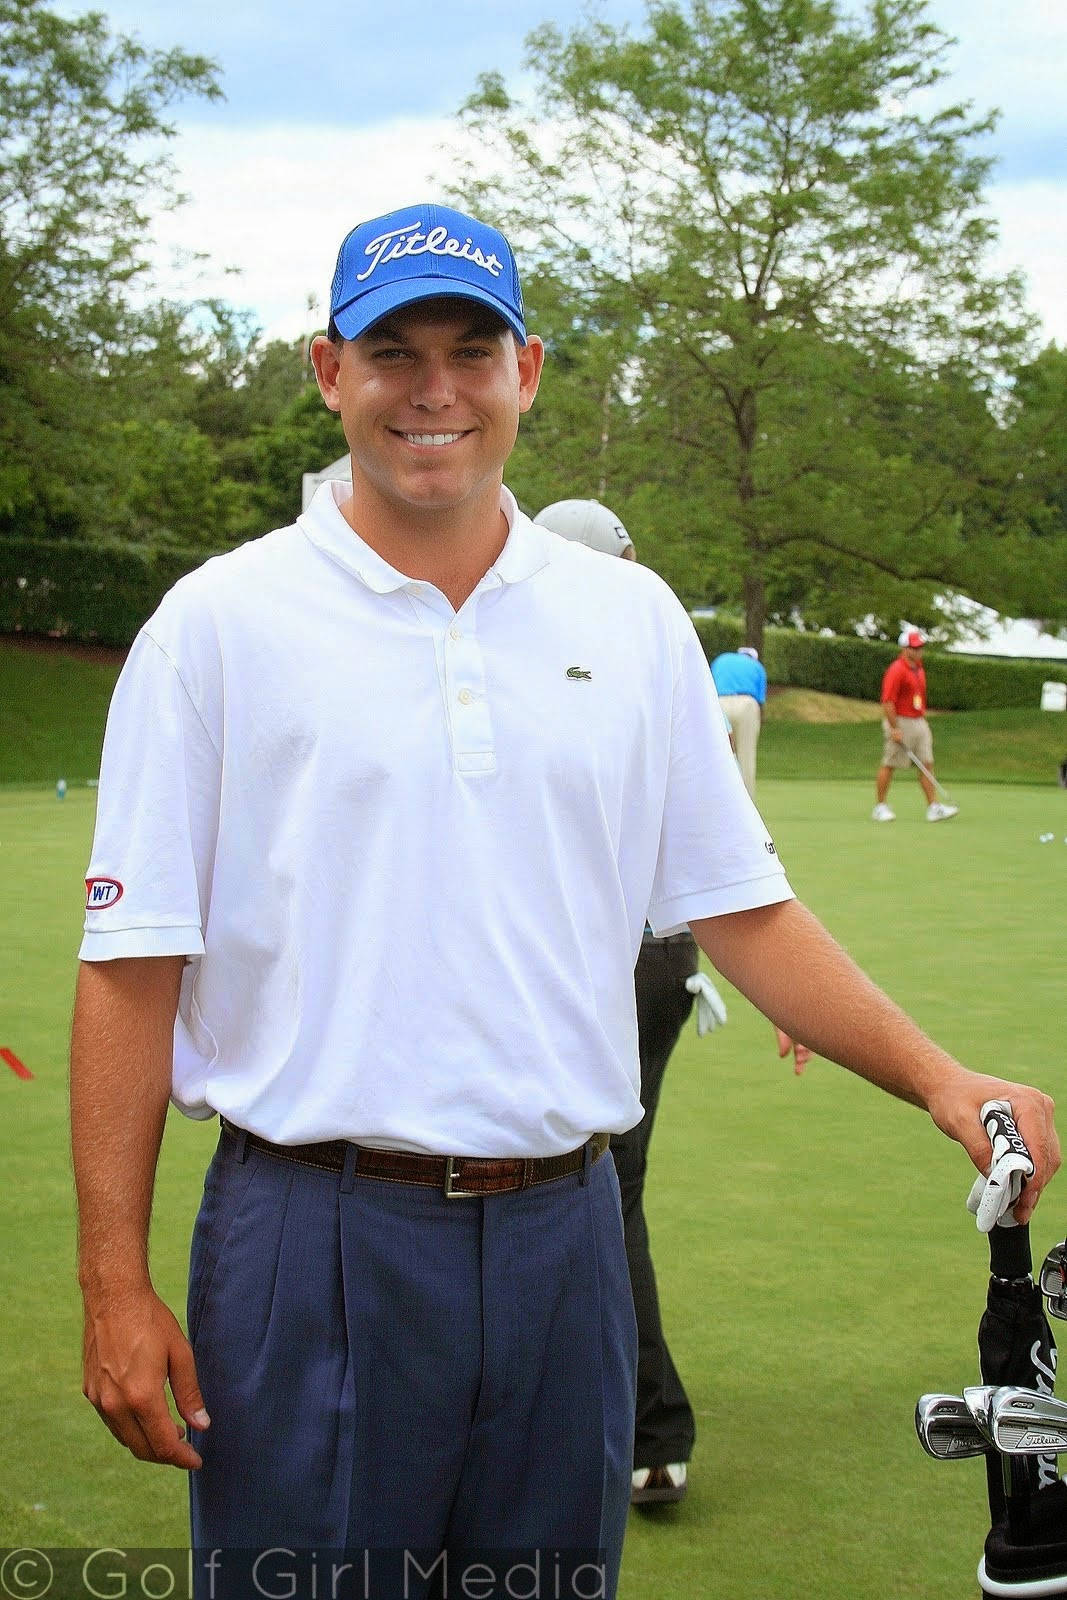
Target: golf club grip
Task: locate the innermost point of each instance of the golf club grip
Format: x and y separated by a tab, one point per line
1009	1252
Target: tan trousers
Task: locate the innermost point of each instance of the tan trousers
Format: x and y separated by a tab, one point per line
744	716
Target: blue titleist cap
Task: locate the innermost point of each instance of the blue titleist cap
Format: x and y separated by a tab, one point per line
418	254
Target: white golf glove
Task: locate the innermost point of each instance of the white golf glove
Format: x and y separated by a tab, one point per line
993	1196
711	1013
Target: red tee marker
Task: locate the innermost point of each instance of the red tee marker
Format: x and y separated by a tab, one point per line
15	1064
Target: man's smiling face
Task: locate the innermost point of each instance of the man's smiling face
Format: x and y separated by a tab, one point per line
430	399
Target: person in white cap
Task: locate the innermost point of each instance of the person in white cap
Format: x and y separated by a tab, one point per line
590	523
666	979
741	679
907	740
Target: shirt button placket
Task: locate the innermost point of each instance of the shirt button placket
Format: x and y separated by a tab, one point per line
472	734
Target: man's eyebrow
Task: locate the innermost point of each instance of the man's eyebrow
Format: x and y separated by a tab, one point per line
391	333
383	332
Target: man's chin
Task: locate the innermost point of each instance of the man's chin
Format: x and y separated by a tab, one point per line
437	492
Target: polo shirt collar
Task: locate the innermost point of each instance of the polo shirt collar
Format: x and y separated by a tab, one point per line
527	550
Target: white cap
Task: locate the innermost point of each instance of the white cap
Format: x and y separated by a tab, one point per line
586	522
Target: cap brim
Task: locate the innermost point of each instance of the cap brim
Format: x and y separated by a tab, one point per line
355	319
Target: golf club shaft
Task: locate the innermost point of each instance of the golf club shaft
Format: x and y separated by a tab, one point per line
927	774
1011	1261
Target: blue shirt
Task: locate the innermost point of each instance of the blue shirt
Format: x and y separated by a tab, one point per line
737	674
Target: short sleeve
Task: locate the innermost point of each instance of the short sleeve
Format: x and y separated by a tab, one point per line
157	817
715	853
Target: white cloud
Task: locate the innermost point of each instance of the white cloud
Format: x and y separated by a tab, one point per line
1033	236
276	201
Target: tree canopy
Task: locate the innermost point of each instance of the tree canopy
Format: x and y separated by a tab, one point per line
787	233
83	160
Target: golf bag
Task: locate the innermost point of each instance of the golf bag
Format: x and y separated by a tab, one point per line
1027	1540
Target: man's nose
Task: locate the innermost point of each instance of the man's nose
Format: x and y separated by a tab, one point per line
432	388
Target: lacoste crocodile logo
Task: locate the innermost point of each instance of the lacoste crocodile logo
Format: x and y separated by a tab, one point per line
579	672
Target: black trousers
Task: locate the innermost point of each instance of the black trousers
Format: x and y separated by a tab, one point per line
665	1428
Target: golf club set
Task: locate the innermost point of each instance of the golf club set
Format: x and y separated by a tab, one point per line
1012	1417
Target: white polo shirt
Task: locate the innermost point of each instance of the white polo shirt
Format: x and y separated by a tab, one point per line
409	852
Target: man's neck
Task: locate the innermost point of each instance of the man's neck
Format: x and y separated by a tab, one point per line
452	549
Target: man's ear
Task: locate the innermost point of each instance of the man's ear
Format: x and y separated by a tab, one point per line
531	357
326	359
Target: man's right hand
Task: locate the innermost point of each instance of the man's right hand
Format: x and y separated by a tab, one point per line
133	1346
801	1053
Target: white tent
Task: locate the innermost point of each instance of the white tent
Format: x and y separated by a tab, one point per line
340	469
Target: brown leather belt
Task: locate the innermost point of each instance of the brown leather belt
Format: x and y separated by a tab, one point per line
458	1177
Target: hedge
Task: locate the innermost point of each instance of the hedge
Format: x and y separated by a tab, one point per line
98	594
854	668
101	594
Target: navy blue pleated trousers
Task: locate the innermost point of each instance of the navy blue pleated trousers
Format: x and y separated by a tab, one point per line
421	1386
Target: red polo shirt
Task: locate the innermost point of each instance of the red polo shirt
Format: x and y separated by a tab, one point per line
905	686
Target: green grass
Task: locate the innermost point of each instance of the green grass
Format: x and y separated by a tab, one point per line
817	1268
55	703
969	746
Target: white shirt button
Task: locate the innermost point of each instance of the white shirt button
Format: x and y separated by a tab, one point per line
465	697
454	633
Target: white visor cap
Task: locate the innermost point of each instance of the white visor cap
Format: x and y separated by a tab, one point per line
586	522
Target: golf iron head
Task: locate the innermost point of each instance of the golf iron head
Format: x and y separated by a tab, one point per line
1027	1423
978	1397
1053	1281
947	1430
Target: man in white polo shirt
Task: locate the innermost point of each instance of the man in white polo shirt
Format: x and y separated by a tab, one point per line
386	799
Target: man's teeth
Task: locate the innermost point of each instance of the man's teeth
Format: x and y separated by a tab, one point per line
432	438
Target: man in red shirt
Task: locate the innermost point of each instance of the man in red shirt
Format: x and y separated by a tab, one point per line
906	730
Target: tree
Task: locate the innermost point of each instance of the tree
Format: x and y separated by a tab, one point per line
82	118
765	184
1035	524
305	438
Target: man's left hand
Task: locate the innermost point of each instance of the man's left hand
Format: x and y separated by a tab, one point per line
957	1111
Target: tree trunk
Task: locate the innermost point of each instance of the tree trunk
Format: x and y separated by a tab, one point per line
605	438
753	589
755	598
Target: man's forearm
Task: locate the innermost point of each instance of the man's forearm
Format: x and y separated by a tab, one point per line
785	962
788	965
121	1058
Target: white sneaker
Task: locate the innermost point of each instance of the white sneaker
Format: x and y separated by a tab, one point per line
940	813
658	1485
882	813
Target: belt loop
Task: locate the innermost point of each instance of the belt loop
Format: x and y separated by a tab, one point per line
348	1171
587	1162
241	1136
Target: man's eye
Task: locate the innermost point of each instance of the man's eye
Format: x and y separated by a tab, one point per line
390	353
473	352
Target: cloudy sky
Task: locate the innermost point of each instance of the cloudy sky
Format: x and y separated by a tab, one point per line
337	111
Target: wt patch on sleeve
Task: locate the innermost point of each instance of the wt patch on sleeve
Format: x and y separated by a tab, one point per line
101	893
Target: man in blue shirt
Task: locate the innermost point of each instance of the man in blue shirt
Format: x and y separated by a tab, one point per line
741	680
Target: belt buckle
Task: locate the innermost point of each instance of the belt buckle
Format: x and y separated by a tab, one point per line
450	1189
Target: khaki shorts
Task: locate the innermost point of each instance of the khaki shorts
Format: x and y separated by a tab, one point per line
915	732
